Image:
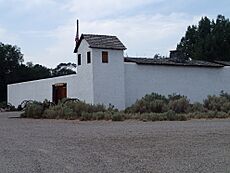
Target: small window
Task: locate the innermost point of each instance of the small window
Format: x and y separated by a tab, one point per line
105	57
79	59
88	57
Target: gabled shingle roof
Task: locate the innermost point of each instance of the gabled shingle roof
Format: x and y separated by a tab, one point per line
171	62
101	42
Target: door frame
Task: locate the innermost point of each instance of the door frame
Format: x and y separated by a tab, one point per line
56	89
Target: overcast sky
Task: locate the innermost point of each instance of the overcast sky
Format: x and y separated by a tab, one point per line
45	29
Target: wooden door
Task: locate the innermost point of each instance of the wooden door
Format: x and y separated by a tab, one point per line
59	92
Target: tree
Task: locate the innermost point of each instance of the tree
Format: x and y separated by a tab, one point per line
64	69
30	72
210	40
10	59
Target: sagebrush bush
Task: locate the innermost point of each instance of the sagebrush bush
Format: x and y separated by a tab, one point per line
7	106
225	94
153	117
208	115
175	96
225	107
58	111
149	103
34	110
154	96
86	116
166	116
180	105
217	103
50	114
158	104
3	104
80	107
197	107
99	115
171	115
118	116
152	107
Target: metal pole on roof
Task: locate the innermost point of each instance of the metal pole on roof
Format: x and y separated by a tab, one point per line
77	34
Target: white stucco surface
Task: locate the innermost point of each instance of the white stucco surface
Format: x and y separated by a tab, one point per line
194	82
39	90
85	75
95	82
79	85
108	78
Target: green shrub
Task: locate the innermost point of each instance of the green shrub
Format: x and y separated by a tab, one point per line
134	116
180	105
225	107
145	117
86	116
59	112
157	106
99	115
7	107
167	116
175	96
208	115
108	115
118	116
153	117
197	107
50	114
80	107
149	103
181	117
222	115
3	104
217	103
225	94
154	96
152	107
33	110
171	115
214	103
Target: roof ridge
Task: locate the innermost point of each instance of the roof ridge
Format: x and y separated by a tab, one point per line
100	35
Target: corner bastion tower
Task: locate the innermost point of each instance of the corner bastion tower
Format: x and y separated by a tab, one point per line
100	68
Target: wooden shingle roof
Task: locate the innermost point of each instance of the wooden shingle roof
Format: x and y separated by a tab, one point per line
171	62
225	63
101	42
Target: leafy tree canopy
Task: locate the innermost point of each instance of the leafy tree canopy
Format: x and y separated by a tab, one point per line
64	69
209	40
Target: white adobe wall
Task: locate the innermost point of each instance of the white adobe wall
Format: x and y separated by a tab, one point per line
194	82
108	78
85	74
39	90
79	85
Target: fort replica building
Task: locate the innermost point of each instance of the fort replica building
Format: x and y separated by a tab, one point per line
105	76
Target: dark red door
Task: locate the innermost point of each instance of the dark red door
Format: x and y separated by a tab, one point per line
59	92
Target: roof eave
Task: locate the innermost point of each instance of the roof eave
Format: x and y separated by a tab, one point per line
182	65
78	44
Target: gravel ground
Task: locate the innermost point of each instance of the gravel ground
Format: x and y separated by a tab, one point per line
59	146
